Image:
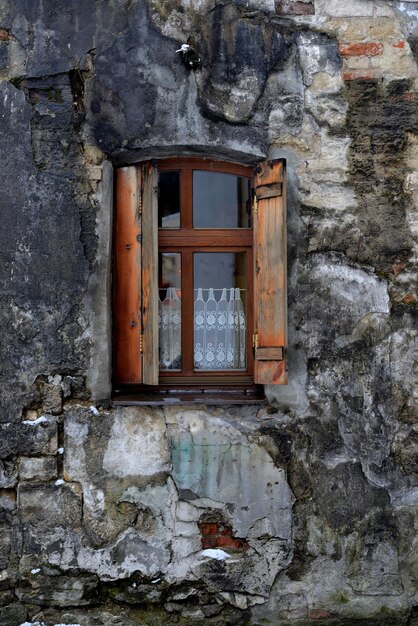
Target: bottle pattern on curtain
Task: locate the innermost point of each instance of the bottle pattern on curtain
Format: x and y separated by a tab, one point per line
219	330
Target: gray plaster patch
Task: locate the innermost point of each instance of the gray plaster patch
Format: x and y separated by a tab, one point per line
213	461
137	444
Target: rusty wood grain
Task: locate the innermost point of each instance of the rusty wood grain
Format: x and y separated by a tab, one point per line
127	278
269	354
270	273
150	273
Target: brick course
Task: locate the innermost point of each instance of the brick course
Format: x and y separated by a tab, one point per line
219	535
370	49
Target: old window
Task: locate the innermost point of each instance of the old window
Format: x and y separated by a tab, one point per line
199	275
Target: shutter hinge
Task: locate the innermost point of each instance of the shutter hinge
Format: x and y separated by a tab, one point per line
255	204
141	343
255	341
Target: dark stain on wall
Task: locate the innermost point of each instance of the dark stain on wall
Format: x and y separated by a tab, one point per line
379	118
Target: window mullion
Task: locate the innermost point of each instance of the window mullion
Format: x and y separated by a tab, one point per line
187	312
186	199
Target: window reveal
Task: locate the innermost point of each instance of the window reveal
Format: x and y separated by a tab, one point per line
207	292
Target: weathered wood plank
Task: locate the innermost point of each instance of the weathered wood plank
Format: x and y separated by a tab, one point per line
150	273
269	191
270	273
269	354
271	372
127	278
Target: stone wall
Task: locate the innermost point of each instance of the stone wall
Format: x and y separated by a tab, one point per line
312	499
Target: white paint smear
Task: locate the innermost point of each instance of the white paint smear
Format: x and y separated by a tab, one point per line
42	419
217	554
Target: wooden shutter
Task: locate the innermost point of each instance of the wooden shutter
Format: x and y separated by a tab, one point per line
127	323
135	276
270	340
149	176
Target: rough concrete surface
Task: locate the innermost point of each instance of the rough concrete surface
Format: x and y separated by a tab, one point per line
312	499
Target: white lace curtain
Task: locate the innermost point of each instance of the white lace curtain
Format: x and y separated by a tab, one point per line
219	330
169	327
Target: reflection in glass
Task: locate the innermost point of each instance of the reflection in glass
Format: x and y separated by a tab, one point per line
221	200
219	311
169	310
169	200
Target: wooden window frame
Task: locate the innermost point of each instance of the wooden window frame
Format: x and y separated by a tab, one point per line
134	278
188	241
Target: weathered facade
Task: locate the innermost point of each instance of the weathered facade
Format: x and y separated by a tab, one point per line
105	511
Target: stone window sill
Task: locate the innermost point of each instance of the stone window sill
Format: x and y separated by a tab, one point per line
253	396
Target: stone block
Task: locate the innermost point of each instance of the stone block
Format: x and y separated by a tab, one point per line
318	614
4	34
52	400
31	415
50	504
5	542
376	570
187	512
183	547
327	110
95	172
59	590
365	29
382	9
7	505
29	437
37	468
317	54
13	614
8	474
357	63
342	8
294	7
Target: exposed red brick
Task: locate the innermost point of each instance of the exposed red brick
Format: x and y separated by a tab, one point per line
358	74
219	535
319	614
399	44
231	542
294	7
209	542
409	298
4	34
370	49
398	266
209	528
408	95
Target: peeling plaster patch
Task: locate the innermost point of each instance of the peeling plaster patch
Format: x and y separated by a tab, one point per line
213	460
142	440
127	555
354	289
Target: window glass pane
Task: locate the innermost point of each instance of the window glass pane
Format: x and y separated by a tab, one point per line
169	200
221	200
219	311
169	310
